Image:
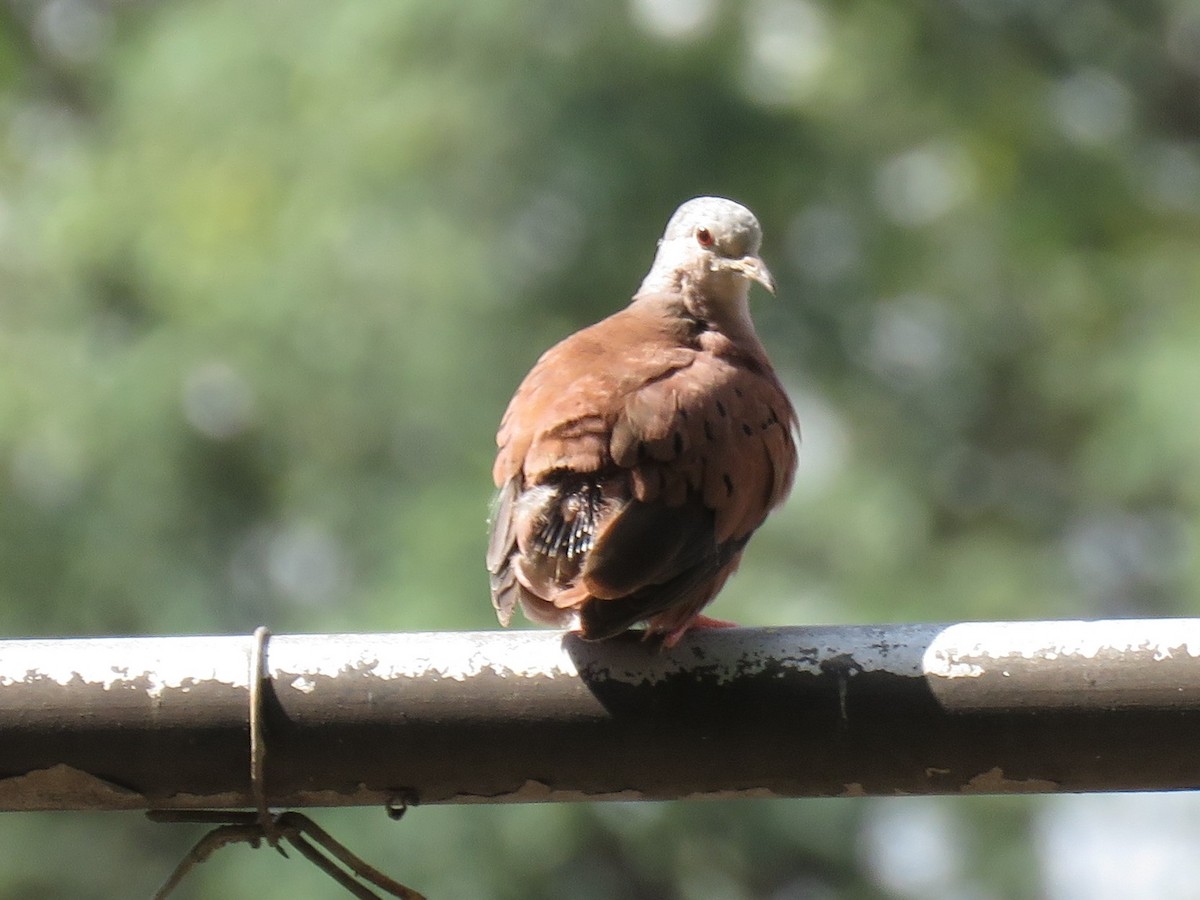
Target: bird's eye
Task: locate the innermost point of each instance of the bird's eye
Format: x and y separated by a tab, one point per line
704	237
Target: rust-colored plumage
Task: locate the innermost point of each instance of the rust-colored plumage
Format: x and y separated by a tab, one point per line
640	454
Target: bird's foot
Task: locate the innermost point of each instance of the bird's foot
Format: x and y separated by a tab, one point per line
671	638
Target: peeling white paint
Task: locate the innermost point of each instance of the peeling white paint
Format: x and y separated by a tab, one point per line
303	684
965	649
945	666
458	656
154	664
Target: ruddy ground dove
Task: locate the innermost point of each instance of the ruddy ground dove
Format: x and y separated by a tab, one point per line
639	454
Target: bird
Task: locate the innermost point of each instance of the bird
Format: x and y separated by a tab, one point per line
639	454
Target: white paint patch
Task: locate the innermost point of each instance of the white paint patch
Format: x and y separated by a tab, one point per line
303	684
965	650
948	667
457	656
151	665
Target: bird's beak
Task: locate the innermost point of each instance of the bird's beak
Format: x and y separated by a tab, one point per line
756	270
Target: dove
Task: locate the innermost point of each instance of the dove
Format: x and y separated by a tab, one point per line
639	455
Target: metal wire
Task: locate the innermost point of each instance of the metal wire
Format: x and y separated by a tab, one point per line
260	677
235	826
313	842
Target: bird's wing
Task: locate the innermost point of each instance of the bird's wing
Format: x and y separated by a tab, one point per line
709	451
561	416
554	439
720	428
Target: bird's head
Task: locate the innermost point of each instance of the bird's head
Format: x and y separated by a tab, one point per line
711	243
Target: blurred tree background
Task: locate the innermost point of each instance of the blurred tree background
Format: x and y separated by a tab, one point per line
269	273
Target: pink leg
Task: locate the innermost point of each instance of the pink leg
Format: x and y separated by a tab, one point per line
671	638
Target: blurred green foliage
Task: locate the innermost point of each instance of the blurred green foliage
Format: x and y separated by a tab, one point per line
269	273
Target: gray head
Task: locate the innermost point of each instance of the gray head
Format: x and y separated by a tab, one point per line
712	240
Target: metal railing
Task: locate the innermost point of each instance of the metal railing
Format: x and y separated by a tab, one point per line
500	717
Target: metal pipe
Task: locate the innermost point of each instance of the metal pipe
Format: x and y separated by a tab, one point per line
135	723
